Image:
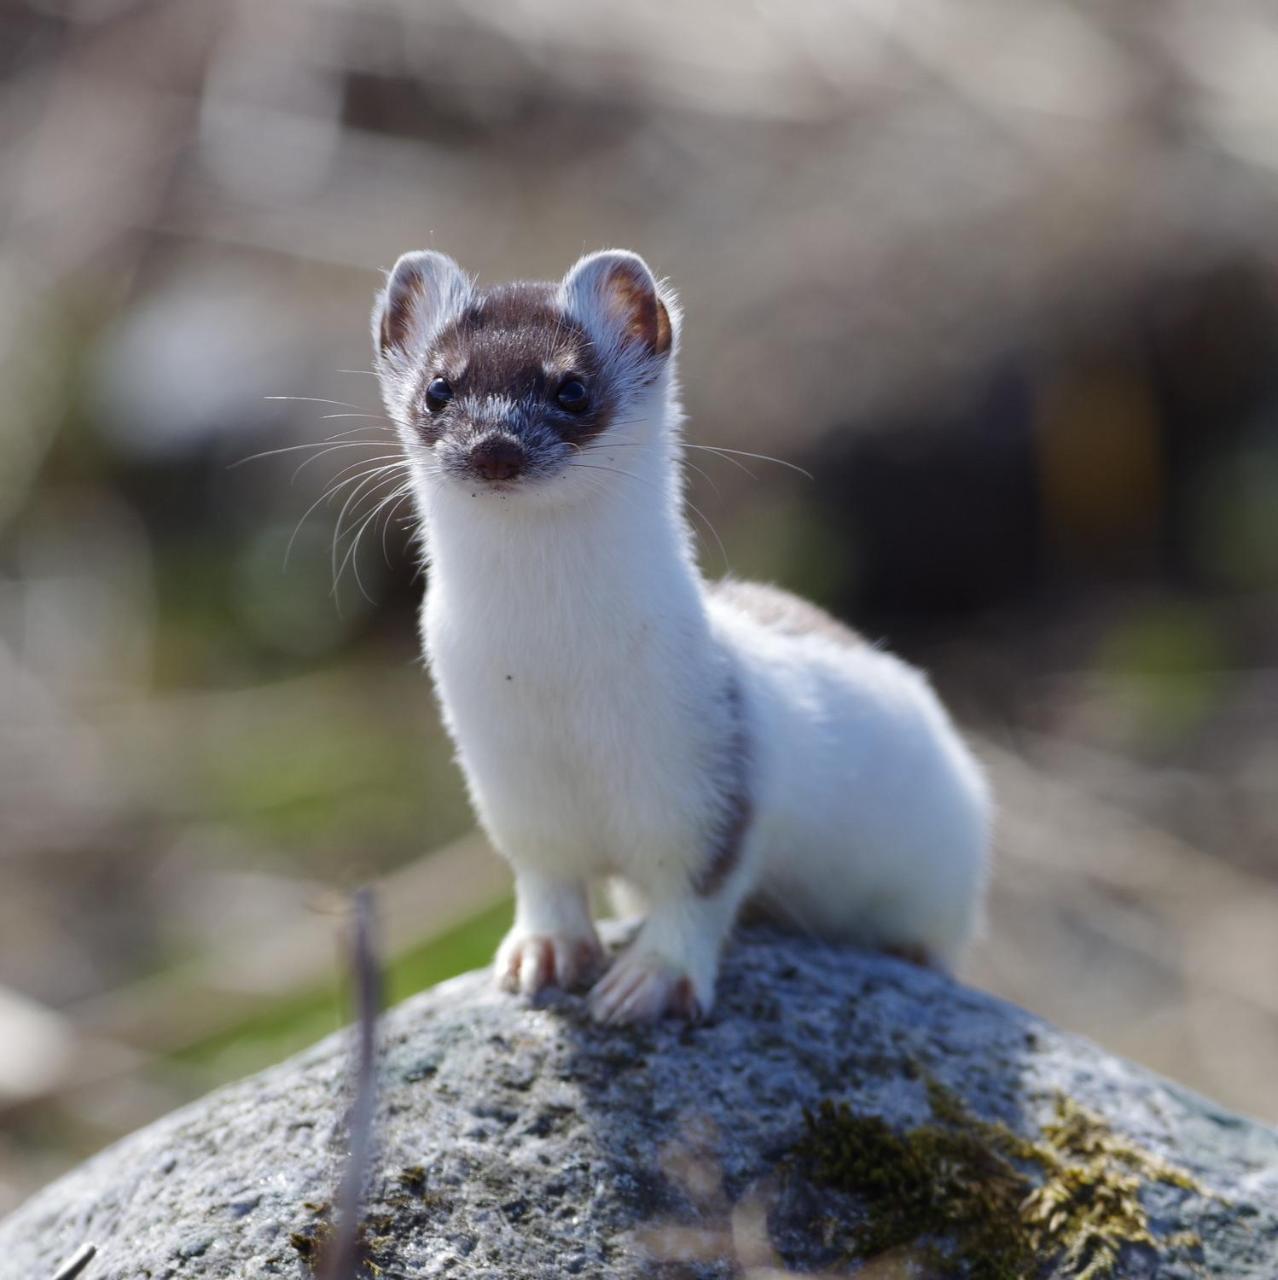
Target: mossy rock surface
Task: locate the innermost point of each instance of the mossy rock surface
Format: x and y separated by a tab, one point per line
525	1142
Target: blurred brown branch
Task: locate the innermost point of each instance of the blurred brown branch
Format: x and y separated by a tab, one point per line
342	1257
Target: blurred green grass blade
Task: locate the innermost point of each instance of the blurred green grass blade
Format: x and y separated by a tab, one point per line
271	1034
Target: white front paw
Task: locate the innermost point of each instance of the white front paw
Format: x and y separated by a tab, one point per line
530	962
643	986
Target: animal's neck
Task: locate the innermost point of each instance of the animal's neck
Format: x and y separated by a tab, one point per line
619	553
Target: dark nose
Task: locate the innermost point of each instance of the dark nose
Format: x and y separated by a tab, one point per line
498	458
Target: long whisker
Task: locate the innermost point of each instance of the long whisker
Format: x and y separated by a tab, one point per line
642	444
360	462
740	466
341	404
729	455
356	466
639	444
381	457
616	471
352	557
745	453
723	551
365	478
370	480
705	475
328	494
350	431
390	506
325	445
369	477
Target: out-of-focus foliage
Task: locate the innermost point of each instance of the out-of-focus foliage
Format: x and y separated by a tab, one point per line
1001	276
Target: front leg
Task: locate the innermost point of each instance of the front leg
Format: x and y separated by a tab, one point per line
553	940
672	964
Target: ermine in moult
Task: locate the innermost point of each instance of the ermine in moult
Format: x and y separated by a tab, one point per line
702	744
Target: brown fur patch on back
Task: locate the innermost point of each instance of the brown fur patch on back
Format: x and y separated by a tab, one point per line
724	853
781	611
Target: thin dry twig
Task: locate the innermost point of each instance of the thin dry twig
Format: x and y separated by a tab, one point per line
77	1262
342	1258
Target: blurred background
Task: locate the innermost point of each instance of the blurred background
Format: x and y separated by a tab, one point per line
1001	276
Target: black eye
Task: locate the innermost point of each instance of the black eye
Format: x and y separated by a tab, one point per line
438	394
573	396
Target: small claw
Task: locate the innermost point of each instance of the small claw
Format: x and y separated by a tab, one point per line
684	1002
508	963
537	966
617	998
641	989
577	962
914	953
529	963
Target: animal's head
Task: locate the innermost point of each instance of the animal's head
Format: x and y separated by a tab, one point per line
517	388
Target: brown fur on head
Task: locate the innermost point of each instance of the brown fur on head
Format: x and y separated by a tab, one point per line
524	373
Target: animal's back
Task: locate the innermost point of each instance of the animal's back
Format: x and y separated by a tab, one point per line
780	611
872	815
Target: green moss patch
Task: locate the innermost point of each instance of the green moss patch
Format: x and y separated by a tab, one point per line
961	1192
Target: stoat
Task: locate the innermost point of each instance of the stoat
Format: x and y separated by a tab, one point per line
617	716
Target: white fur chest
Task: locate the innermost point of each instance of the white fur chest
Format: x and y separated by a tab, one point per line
583	718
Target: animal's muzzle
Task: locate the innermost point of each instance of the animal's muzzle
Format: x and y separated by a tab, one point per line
498	457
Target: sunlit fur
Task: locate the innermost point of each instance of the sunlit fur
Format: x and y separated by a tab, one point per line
581	663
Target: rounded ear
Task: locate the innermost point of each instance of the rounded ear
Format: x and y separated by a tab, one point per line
616	296
422	290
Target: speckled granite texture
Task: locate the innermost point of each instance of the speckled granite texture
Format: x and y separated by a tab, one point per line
525	1142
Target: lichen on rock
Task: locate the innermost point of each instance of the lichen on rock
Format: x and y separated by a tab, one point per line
958	1191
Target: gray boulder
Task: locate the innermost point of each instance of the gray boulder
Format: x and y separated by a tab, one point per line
518	1141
